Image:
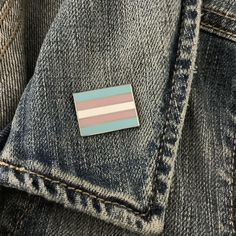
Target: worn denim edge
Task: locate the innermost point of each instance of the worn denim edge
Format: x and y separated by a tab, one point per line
180	91
70	197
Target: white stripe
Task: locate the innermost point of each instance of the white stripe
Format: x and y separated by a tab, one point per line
105	109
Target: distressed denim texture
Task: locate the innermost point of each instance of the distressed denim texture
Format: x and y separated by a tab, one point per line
23	28
202	192
24	214
171	176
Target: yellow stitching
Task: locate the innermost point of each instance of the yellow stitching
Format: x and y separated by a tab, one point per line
207	26
5	12
12	38
23	170
220	13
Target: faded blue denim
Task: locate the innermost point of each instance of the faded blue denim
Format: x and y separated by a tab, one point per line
174	175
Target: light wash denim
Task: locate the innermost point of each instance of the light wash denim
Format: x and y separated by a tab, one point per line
173	175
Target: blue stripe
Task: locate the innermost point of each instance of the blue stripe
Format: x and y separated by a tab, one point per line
104	92
110	126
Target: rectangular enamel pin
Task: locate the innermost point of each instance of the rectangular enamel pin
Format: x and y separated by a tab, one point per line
106	110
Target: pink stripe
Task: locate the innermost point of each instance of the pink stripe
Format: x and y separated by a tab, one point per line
127	97
95	120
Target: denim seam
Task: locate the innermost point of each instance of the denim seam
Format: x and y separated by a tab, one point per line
173	127
233	220
220	30
220	13
5	12
23	170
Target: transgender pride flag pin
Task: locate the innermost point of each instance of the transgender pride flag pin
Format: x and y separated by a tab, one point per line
106	110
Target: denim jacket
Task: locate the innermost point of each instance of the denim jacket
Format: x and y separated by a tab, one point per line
174	174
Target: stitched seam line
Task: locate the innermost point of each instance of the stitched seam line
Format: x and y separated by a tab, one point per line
23	170
220	13
234	184
172	102
10	41
227	33
5	12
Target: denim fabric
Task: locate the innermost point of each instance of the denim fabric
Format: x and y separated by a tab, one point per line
219	18
205	176
24	214
23	29
174	175
12	69
89	46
